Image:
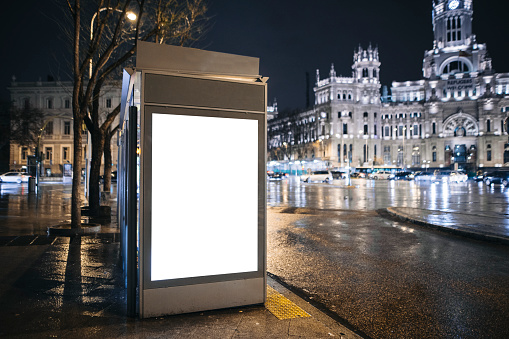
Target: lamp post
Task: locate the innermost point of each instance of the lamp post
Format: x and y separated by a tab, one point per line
38	147
130	16
403	151
365	159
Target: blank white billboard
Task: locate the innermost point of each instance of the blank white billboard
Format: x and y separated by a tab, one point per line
204	196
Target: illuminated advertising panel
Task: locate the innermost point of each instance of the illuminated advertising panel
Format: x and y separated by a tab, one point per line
204	199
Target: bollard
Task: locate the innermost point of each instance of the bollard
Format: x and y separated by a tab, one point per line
31	184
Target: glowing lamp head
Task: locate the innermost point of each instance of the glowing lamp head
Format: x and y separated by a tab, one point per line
131	16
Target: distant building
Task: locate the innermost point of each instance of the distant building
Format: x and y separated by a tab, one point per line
54	99
456	116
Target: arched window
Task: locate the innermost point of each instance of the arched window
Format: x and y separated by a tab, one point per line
456	66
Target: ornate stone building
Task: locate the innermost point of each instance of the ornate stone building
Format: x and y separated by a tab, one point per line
456	116
54	99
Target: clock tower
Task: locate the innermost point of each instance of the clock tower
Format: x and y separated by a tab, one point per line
452	22
455	49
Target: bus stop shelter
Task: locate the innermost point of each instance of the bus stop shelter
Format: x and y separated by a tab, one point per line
191	181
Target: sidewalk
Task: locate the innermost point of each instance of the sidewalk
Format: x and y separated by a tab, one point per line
52	286
487	227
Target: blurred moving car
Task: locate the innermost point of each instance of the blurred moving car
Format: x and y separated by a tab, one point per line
275	176
113	177
441	176
320	176
17	177
401	176
497	177
379	175
357	175
479	176
336	175
458	176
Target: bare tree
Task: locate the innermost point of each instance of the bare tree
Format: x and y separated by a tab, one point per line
112	43
26	125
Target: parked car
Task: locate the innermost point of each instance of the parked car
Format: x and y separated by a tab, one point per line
401	176
320	176
497	177
384	175
18	177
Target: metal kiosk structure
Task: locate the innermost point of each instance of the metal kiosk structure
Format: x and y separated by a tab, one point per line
191	183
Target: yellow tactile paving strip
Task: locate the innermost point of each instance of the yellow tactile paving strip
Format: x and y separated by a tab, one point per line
281	307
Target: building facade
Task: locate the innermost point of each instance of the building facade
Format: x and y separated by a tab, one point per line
54	99
454	117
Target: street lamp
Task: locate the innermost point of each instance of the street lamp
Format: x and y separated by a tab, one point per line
403	135
129	15
365	148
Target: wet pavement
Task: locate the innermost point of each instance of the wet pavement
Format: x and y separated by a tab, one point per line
387	276
70	287
333	252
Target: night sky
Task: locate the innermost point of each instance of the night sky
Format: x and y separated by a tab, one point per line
290	38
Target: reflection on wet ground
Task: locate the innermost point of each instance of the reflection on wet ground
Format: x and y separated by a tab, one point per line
375	194
29	213
389	278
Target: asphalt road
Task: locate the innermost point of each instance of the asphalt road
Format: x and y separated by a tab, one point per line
387	278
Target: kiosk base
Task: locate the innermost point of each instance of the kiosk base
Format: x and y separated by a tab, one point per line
202	297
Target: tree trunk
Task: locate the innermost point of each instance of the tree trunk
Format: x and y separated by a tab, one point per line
107	160
76	176
77	122
95	171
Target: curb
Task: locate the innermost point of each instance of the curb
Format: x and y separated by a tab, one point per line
460	232
66	230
